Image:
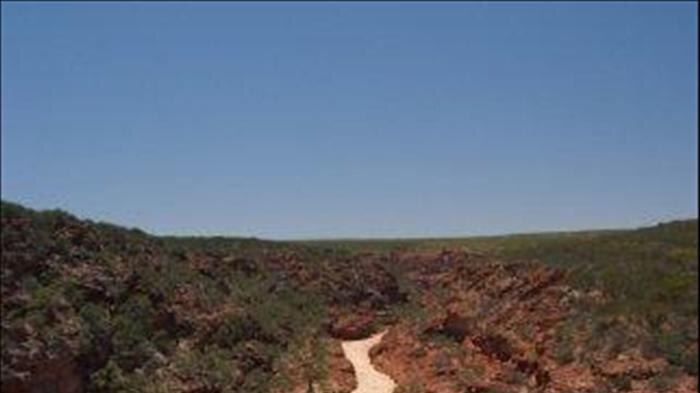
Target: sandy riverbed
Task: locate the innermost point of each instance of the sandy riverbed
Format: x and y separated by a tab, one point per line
369	380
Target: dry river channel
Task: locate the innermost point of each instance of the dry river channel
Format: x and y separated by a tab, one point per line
369	380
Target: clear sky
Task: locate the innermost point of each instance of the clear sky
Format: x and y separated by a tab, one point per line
298	120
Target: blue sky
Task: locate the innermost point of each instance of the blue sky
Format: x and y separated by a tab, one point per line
303	120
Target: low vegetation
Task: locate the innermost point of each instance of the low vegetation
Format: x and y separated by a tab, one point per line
118	310
649	275
108	309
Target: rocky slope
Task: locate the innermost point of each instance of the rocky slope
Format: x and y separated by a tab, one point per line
91	307
486	326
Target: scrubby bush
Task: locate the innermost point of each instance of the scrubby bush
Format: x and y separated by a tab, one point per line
95	327
110	379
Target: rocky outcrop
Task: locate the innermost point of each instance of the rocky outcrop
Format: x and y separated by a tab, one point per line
82	300
352	327
499	327
86	307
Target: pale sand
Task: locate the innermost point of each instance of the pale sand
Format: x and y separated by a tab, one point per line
369	380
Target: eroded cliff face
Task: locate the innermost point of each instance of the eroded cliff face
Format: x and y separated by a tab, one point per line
493	327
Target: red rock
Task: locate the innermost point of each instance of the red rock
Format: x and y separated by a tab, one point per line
352	327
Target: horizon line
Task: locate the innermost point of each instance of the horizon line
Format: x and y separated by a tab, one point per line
368	239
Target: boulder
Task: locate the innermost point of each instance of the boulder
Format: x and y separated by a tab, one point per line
352	327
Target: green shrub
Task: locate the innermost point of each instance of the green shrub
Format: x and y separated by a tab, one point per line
109	379
564	353
95	326
130	342
213	367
